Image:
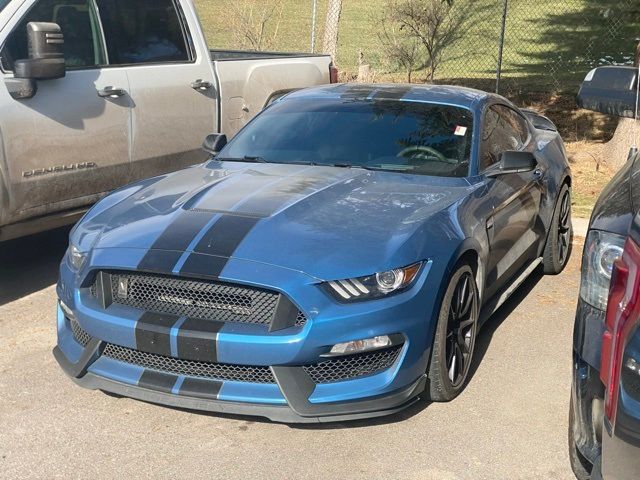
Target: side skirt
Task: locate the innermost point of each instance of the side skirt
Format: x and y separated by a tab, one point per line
498	300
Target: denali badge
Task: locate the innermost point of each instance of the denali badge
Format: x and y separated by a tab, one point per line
59	169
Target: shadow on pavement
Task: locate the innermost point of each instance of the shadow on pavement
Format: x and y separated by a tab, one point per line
30	264
495	321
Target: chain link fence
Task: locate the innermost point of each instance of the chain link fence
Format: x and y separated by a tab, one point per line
515	46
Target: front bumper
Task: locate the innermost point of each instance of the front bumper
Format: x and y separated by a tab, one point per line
299	410
290	394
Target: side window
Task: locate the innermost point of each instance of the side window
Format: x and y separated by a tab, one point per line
79	24
503	130
144	31
516	123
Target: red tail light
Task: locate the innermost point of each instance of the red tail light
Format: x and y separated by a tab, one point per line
623	312
333	73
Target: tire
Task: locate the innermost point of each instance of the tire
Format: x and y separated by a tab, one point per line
557	250
455	337
579	464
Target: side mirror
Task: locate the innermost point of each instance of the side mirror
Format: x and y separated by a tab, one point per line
514	162
46	53
610	90
214	143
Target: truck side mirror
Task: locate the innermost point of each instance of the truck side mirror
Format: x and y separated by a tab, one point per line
45	62
214	143
610	90
46	53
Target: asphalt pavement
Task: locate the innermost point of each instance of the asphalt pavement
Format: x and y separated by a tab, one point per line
510	422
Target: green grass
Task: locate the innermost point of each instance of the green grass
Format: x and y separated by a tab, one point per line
549	44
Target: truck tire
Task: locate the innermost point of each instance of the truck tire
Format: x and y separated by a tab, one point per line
579	464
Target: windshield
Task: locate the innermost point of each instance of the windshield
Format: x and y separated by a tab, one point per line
3	3
418	138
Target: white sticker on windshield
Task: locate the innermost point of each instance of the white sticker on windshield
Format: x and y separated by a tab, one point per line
460	131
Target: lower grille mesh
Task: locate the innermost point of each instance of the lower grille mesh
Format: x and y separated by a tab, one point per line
190	368
82	337
329	371
353	366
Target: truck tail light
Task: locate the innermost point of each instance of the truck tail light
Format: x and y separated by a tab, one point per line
333	73
623	313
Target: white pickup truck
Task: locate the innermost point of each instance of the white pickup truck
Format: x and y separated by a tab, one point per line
95	94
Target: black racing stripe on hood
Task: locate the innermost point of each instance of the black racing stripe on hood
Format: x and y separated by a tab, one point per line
153	333
197	340
154	380
225	235
203	266
174	239
159	261
200	388
217	245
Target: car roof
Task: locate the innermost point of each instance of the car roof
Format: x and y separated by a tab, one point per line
468	98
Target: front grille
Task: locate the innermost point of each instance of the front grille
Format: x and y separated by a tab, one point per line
195	298
82	337
353	366
190	368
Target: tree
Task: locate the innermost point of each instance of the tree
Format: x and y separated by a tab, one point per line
256	23
332	28
402	51
434	25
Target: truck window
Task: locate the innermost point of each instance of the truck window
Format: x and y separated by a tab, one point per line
79	24
144	31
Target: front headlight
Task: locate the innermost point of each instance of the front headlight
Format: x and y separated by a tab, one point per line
373	286
600	251
75	257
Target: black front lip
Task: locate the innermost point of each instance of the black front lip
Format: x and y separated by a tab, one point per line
293	381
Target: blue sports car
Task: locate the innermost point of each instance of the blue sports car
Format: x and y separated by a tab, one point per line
333	261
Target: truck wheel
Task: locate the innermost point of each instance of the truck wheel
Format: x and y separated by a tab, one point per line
455	337
558	248
579	464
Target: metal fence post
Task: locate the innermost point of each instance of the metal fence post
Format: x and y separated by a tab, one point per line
501	46
313	26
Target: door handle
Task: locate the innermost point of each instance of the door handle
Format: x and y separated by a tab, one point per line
111	92
201	85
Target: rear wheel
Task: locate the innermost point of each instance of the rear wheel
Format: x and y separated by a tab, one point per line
558	248
455	337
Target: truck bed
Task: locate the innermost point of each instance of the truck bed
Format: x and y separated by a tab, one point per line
230	55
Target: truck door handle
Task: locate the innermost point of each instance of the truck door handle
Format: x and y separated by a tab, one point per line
201	85
111	92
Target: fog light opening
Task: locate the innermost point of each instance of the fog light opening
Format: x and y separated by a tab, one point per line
360	346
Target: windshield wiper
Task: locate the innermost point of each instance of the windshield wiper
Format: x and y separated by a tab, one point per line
385	169
246	158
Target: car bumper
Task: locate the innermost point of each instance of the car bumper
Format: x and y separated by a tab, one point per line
303	412
291	394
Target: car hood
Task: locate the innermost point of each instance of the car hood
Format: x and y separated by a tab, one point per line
310	219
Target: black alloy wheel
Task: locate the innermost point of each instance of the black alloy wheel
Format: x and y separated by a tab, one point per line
461	330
